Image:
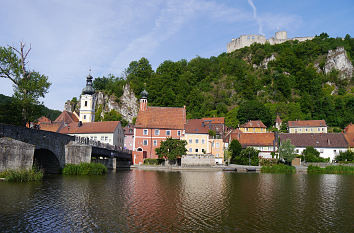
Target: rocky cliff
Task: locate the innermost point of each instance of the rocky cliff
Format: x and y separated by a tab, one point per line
127	105
338	59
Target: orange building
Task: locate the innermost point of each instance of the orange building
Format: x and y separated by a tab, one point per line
153	125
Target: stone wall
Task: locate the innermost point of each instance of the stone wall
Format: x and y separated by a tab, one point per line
15	154
206	160
77	153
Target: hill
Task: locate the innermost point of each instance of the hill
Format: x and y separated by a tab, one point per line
307	80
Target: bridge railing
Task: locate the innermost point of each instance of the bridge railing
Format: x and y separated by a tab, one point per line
92	142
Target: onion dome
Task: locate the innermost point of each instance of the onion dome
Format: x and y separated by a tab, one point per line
88	90
144	94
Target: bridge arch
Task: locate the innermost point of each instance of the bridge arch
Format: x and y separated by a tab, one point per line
47	161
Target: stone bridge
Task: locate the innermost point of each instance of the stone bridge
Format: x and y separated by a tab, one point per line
22	147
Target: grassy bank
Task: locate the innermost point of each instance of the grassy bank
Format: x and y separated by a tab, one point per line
331	169
278	168
84	169
23	175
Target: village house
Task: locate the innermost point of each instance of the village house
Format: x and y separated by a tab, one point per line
216	124
349	136
153	125
253	127
197	136
307	126
328	144
128	136
217	149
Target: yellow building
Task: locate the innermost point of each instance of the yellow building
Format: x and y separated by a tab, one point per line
309	126
87	106
253	127
196	135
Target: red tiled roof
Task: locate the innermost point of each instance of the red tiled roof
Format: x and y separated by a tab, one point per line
324	140
350	139
349	128
52	127
253	124
67	117
308	123
215	120
161	118
90	127
196	126
43	119
256	139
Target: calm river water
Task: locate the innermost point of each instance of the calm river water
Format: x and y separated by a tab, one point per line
182	201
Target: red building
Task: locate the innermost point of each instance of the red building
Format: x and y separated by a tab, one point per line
153	125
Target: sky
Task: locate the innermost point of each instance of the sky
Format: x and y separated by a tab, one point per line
71	37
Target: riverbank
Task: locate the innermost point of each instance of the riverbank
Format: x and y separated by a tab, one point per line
231	167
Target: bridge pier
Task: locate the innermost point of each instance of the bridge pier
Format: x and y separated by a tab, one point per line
77	153
110	163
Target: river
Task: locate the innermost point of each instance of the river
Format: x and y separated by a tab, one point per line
180	201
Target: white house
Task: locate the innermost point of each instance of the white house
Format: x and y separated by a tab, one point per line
328	144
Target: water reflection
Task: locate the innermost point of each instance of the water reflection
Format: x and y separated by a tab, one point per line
188	201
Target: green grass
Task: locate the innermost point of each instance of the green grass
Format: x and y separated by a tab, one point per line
331	169
153	161
84	169
22	175
278	168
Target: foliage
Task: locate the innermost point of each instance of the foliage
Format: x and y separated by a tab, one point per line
254	110
235	149
171	149
331	169
111	85
29	86
23	175
227	156
287	151
268	162
84	169
345	156
278	168
149	161
310	154
113	115
248	156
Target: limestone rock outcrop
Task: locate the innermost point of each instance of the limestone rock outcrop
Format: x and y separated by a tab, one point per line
338	59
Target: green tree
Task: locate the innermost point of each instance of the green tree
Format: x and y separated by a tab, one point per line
171	149
235	149
113	115
254	110
345	156
248	156
310	154
29	86
287	151
231	118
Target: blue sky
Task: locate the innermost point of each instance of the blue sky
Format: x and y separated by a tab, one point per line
69	37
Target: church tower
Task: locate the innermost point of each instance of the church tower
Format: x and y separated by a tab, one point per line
87	107
143	101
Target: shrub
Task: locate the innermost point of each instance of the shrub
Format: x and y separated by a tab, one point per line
279	168
331	169
24	175
153	161
246	155
310	154
84	169
268	162
345	156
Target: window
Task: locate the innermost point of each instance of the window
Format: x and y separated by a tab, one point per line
146	132
254	130
335	151
190	141
203	141
155	142
85	103
102	138
95	137
84	116
190	150
322	129
319	129
217	145
196	150
321	150
197	140
168	132
157	132
145	142
311	129
106	138
306	130
179	133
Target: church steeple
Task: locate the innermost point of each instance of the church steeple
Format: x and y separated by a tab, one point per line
87	107
143	100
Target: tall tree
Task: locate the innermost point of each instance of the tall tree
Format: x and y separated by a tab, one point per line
171	149
29	85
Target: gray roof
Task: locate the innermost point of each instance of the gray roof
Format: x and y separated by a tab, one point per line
323	140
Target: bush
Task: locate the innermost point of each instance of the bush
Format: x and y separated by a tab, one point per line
310	154
246	155
84	169
268	162
153	161
24	175
331	169
345	156
279	168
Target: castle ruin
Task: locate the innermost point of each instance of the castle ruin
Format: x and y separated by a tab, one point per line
247	40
